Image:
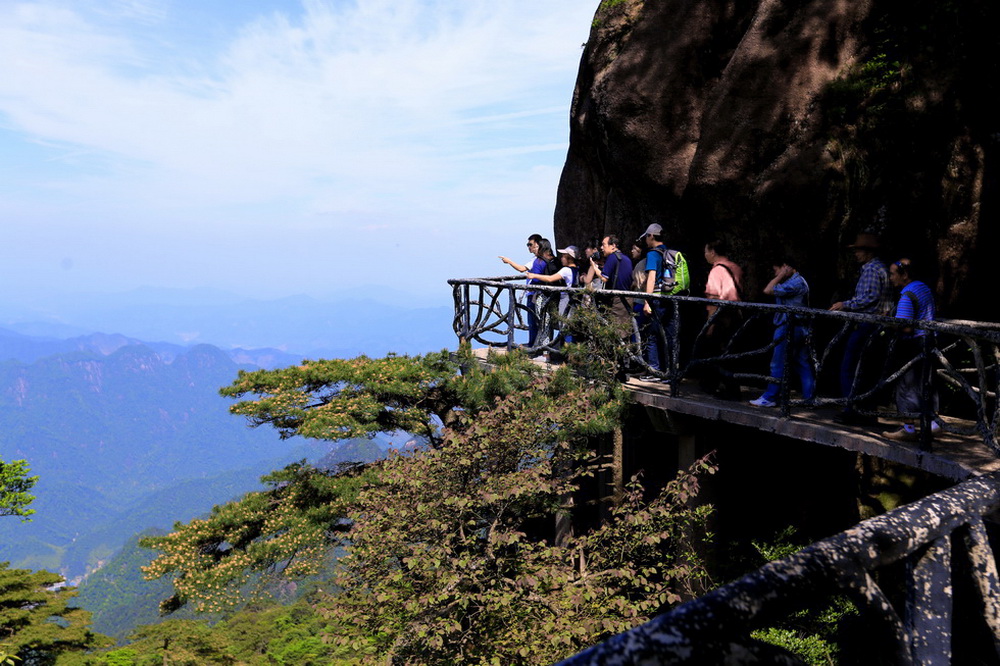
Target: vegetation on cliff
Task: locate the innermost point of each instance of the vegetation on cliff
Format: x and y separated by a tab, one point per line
15	487
452	553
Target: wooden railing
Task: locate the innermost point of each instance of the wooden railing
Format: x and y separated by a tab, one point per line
958	361
927	536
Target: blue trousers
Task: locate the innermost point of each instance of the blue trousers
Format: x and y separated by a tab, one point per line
791	339
532	320
850	366
658	336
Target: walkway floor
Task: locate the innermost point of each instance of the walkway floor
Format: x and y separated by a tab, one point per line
951	456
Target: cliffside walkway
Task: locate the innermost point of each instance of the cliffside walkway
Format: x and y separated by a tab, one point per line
958	434
958	439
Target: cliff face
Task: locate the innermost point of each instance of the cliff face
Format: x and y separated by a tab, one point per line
793	126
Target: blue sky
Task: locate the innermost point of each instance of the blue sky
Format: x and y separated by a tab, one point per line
277	147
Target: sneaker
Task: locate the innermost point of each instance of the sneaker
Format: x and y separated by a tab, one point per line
763	402
902	435
648	378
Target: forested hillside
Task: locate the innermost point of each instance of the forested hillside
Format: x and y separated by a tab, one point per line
121	443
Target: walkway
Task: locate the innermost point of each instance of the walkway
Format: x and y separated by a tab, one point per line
952	456
960	361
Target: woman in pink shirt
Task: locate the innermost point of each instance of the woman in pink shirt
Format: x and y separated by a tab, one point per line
723	284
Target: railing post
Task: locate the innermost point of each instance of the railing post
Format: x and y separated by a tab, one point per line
784	390
457	322
926	392
512	305
929	603
467	319
984	574
673	358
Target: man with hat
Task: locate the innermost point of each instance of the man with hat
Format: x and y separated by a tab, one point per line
659	333
872	295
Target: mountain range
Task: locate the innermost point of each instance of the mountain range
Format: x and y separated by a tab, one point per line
114	439
304	326
127	436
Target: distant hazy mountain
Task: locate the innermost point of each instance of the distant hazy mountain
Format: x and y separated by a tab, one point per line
372	324
106	433
128	434
19	346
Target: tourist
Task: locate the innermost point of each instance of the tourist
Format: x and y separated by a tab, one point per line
790	334
724	281
568	276
666	273
638	255
593	278
538	246
872	295
616	273
916	301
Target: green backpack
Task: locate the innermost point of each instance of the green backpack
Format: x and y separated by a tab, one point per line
673	276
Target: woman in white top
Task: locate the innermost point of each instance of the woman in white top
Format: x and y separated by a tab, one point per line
568	275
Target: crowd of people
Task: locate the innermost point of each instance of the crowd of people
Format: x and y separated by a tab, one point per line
650	266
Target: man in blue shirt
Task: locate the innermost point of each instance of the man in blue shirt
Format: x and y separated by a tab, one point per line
617	275
916	301
659	325
872	295
790	334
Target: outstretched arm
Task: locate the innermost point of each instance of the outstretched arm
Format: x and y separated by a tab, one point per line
555	277
520	268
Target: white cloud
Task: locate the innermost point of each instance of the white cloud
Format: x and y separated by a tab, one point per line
430	110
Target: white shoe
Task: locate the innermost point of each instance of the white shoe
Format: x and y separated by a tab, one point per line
763	402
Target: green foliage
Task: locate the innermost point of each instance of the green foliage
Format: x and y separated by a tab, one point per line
37	624
605	352
864	92
296	635
451	552
446	564
293	635
342	399
15	485
179	643
287	529
118	597
810	634
602	11
810	648
781	546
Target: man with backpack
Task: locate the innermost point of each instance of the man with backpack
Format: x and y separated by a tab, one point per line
666	274
725	279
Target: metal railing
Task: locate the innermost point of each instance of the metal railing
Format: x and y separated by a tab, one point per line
955	364
926	536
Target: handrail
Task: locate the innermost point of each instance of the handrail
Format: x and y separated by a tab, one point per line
963	357
715	628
